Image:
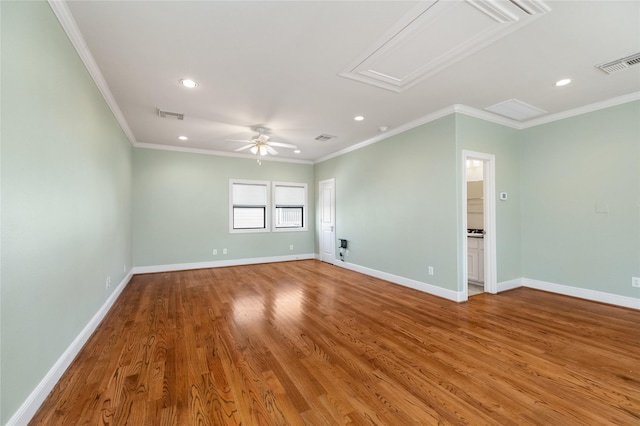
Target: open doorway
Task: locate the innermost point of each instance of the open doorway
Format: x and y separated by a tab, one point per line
475	226
478	224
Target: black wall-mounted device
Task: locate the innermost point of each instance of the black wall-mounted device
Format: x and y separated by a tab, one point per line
343	248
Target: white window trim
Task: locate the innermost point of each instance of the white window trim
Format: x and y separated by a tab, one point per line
267	210
305	207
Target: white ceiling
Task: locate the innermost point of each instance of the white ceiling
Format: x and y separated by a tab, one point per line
278	64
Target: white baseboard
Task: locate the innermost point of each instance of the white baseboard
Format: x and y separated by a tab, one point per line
456	296
509	285
29	407
219	263
597	296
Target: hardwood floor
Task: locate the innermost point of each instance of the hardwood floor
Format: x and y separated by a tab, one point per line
309	343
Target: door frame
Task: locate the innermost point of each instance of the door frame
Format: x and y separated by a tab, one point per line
489	209
331	181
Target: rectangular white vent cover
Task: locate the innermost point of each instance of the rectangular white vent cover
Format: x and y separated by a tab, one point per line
620	64
516	110
169	114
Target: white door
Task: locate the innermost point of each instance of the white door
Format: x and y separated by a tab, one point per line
328	220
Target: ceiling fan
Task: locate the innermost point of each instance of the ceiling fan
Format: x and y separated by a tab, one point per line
260	145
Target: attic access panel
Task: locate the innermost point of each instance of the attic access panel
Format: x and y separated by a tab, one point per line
516	110
436	34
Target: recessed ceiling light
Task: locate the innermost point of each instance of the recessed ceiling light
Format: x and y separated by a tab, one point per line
563	82
358	118
297	151
188	83
183	138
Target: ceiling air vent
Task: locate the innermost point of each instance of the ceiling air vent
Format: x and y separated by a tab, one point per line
169	114
516	110
620	64
324	137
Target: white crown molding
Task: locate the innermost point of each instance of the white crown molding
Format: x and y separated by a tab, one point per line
30	406
456	108
400	129
619	100
70	27
486	116
216	153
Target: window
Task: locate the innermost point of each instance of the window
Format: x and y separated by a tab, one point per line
249	206
289	206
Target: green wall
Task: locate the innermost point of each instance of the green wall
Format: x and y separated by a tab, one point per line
66	198
398	200
181	208
568	168
502	142
396	203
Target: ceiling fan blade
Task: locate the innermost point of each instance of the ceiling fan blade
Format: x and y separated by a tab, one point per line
237	140
245	147
283	145
271	150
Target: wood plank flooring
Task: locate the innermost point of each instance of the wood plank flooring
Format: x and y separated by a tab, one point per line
309	343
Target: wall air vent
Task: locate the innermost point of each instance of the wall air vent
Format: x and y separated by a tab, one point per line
620	64
324	137
169	114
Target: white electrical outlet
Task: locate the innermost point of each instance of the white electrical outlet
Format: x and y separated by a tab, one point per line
635	281
108	283
215	252
124	268
290	246
224	251
430	270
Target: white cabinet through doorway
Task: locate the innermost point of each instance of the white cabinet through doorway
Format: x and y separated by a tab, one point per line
475	259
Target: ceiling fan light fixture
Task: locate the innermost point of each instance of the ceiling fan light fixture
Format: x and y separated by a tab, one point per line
254	150
263	150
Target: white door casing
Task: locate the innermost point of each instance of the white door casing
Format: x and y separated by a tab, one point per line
327	204
489	260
